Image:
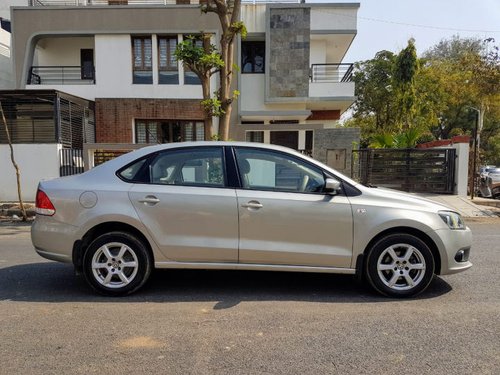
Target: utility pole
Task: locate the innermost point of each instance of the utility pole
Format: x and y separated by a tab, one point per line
474	161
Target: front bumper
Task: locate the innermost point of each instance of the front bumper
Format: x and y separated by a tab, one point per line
449	243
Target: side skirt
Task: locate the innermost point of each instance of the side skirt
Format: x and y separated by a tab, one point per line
255	267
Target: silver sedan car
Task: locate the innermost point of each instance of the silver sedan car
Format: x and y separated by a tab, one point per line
241	206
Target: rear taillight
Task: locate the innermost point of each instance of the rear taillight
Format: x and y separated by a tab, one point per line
43	204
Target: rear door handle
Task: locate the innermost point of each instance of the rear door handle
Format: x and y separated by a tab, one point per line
252	204
149	200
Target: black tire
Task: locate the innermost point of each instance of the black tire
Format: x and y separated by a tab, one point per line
126	264
405	273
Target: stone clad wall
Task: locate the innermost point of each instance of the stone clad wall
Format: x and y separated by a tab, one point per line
334	147
289	47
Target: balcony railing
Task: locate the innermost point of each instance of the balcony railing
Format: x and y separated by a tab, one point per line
41	3
61	75
331	72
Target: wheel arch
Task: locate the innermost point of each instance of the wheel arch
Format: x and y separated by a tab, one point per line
360	261
80	246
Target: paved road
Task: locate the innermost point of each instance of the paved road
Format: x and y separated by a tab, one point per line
207	322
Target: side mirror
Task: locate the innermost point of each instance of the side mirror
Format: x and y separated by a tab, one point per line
331	186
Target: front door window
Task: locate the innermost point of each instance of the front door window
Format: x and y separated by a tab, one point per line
269	170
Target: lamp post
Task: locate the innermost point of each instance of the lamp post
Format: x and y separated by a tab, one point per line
473	189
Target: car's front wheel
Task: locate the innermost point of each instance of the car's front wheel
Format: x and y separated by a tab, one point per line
399	265
116	264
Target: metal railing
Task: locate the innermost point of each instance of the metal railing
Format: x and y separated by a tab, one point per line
331	72
108	2
71	162
41	3
60	75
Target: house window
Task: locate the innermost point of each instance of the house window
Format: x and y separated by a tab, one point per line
253	56
168	131
190	77
167	63
255	136
142	60
146	131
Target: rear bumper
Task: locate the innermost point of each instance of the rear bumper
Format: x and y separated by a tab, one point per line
53	239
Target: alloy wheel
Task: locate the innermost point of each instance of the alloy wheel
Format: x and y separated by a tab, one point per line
115	265
401	267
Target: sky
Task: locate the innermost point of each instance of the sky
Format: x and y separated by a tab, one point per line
388	24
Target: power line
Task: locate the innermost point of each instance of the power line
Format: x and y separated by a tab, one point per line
409	24
429	26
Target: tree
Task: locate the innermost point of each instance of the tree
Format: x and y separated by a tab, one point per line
228	12
406	67
204	61
373	90
453	48
387	100
16	167
433	94
468	72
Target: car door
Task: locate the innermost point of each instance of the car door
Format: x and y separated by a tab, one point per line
186	206
284	218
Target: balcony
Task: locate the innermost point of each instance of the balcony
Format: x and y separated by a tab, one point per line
331	72
61	75
42	3
330	82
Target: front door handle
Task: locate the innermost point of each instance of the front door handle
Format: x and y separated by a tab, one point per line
252	205
149	200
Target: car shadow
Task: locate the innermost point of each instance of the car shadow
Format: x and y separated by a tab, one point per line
56	282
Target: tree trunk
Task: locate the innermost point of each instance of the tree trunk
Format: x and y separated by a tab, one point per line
16	167
226	73
224	89
205	86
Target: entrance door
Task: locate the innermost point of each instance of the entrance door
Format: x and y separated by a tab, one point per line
87	63
288	139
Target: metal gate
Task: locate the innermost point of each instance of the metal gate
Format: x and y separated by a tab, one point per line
411	170
70	161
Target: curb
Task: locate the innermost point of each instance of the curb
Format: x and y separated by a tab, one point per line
10	210
486	202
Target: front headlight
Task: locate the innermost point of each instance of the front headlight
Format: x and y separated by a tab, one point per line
452	219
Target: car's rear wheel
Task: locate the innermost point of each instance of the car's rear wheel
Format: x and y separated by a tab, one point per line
116	264
399	265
